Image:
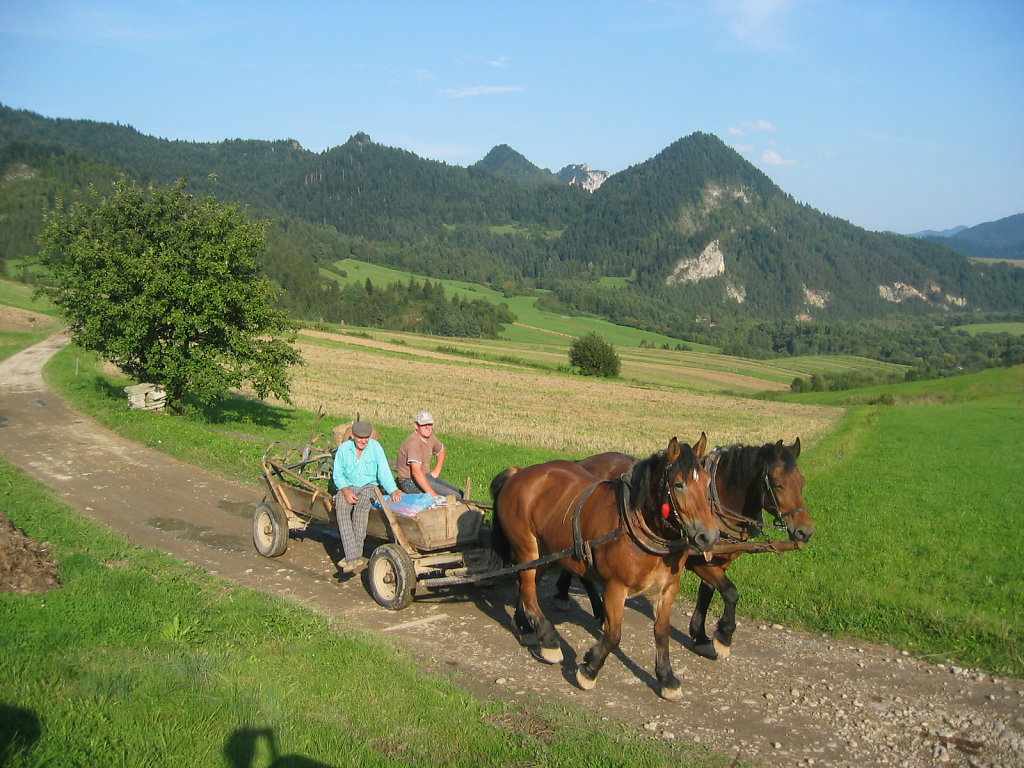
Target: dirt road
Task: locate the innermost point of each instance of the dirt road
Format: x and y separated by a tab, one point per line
784	697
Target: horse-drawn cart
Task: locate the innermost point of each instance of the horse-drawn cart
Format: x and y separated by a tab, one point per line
440	546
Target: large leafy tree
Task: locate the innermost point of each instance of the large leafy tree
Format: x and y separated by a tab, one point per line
166	286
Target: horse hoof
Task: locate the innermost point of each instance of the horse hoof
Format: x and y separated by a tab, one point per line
548	655
708	650
721	649
671	694
561	603
583	681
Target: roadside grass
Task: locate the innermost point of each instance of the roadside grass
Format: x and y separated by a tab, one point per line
918	540
138	660
14	294
15	341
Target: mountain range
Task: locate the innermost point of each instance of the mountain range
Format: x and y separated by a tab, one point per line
695	234
1001	239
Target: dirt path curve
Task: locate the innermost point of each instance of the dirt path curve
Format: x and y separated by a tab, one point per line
783	698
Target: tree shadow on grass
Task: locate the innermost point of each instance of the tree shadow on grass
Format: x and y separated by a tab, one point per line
237	409
229	408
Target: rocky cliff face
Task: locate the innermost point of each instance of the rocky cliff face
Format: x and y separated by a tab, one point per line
583	175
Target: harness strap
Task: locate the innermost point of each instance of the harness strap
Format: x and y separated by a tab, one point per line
580	548
732	524
638	529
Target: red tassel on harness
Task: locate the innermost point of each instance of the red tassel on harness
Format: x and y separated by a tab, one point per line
665	510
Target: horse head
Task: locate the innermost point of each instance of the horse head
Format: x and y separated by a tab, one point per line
685	484
783	493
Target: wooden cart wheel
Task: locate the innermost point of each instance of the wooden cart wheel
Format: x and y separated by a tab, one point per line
270	530
391	576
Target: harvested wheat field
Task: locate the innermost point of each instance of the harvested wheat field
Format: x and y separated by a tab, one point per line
387	383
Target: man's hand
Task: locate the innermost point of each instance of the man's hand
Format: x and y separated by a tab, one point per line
396	495
349	496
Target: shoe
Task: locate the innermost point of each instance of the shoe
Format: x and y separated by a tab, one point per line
354	566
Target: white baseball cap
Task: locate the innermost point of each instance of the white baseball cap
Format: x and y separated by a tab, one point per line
424	417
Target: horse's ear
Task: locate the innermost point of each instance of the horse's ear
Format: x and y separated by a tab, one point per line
700	446
796	449
779	448
673	451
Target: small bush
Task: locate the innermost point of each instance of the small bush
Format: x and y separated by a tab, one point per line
593	356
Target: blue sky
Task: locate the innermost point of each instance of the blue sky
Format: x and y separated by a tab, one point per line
903	115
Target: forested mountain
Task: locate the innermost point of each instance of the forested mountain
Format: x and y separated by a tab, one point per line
504	162
695	235
1001	239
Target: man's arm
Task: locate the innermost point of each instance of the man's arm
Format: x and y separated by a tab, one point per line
419	476
439	463
341	479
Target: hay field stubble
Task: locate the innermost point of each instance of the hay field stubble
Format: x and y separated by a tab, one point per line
574	416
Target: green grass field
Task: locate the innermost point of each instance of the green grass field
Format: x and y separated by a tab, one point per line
536	326
976	328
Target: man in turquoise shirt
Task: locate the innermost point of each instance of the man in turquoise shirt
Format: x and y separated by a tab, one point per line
360	465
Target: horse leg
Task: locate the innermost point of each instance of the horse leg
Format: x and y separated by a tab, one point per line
701	642
669	686
596	603
561	597
530	618
614	607
727	623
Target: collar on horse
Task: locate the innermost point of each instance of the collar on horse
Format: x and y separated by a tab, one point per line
639	531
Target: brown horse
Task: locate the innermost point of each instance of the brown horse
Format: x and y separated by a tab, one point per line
630	533
745	480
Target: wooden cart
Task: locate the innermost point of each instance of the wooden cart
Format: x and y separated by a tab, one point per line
441	546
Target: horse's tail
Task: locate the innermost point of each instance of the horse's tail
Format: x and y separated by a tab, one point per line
499	541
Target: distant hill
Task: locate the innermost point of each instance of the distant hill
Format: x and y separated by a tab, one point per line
695	234
504	162
1002	239
943	233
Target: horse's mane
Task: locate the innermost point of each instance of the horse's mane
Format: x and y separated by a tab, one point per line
743	463
644	474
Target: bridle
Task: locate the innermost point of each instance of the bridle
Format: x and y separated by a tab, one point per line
666	489
770	488
738	524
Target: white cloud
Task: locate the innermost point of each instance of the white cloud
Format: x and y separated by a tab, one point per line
481	90
744	149
771	157
746	127
501	61
756	22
